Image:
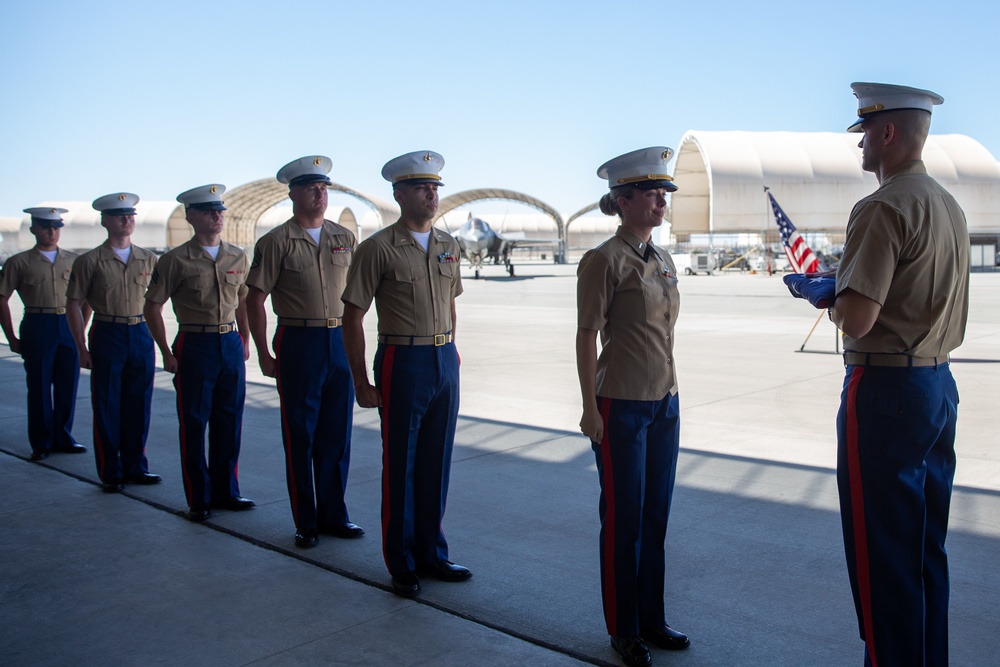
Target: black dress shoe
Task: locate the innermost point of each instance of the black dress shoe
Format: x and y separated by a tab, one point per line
667	638
144	478
72	448
306	538
235	503
39	455
198	513
348	531
406	585
114	486
632	651
445	570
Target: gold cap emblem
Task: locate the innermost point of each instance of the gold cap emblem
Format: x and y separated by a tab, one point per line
214	189
428	157
665	155
317	160
121	197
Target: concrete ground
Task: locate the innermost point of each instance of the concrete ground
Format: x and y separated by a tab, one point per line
756	571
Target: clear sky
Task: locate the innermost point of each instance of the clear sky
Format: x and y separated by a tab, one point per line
158	97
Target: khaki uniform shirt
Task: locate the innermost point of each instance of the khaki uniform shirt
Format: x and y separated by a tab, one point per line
634	304
110	286
39	282
413	289
201	290
908	249
304	281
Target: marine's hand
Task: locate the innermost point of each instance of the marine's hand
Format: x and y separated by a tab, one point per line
592	425
169	362
85	360
15	345
368	396
268	365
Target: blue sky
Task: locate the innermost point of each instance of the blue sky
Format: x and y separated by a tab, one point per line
155	98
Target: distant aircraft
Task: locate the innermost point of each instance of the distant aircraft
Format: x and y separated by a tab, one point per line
480	242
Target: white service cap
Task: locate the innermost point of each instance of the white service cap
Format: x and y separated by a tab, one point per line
645	168
876	97
416	167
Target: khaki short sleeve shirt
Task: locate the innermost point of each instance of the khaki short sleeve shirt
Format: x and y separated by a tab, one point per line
201	290
109	285
907	248
39	282
412	289
305	281
628	292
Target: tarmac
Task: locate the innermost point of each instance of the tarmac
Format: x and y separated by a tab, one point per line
755	564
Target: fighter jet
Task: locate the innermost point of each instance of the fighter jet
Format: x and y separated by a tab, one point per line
480	242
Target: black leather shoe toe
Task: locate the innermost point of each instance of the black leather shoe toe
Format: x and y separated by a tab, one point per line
306	538
72	448
406	585
114	486
632	651
667	638
348	531
236	503
198	513
144	478
39	455
445	570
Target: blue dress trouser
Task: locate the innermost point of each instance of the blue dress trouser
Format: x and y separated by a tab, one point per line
121	392
420	395
895	468
636	464
52	364
317	415
211	391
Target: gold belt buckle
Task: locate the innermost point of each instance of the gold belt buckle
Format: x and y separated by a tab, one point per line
60	310
331	323
440	339
225	328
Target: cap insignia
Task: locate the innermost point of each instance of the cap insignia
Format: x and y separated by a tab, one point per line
316	161
428	157
213	190
121	197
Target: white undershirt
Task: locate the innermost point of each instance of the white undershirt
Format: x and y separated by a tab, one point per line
49	255
123	253
423	238
212	250
314	233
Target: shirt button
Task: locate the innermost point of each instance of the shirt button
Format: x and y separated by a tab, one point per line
668	360
664	294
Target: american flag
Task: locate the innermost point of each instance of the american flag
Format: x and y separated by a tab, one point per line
797	250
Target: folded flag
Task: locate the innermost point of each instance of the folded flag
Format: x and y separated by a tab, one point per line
820	291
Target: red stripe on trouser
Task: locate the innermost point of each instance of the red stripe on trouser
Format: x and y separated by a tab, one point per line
608	548
858	512
293	491
99	446
385	385
178	347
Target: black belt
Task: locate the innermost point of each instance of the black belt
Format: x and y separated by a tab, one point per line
61	310
892	360
329	323
208	328
116	319
436	340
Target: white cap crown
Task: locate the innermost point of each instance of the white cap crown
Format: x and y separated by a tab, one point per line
309	169
876	97
646	168
119	203
416	167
